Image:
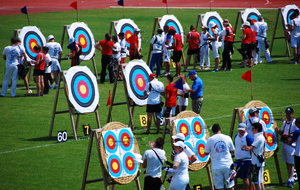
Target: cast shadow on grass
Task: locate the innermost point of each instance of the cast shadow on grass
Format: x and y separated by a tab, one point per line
53	138
290	79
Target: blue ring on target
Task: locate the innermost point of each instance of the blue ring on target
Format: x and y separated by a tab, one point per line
288	15
215	20
82	81
202	157
273	144
268	119
189	144
111	165
130	158
134	72
31	35
195	122
187	132
81	31
127	27
253	15
172	23
110	149
126	133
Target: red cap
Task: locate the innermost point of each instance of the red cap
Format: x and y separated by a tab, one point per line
152	75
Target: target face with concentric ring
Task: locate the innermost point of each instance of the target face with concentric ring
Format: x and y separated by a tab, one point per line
251	13
183	126
198	127
129	164
110	142
82	89
271	142
115	167
127	27
137	77
126	139
286	13
31	36
84	36
265	114
199	151
212	17
173	23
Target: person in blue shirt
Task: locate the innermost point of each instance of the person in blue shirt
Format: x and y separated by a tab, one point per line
196	92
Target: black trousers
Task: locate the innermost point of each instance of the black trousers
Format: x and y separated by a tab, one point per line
107	63
228	48
151	183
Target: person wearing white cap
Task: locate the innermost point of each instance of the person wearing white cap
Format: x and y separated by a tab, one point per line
134	49
187	150
242	157
220	148
246	44
181	165
215	44
287	130
55	51
254	113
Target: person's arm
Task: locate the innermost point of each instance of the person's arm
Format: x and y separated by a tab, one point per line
97	46
193	158
4	57
248	148
176	165
144	164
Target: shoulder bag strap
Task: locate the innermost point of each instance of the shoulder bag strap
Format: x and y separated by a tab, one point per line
158	157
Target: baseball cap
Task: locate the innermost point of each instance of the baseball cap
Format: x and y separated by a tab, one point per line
152	75
179	136
204	26
212	24
289	110
180	144
191	73
71	40
137	29
246	24
50	37
225	21
253	109
242	127
159	30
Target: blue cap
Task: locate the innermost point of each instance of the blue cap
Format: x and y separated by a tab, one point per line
191	73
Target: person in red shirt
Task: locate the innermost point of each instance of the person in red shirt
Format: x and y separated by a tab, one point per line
105	46
177	53
134	49
246	44
171	97
228	46
39	70
193	39
76	51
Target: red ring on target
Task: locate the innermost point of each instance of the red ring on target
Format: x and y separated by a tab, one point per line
140	82
83	89
82	41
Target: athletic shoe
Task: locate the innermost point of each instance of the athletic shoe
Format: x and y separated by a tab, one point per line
206	68
289	184
29	91
167	74
222	69
51	87
215	70
37	95
293	62
55	87
200	68
164	73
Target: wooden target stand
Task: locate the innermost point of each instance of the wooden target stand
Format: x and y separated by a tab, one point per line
155	27
65	32
197	166
106	178
129	102
71	110
285	36
239	114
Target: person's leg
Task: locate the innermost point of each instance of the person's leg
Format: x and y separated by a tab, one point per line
152	62
149	121
158	64
103	69
41	78
187	62
14	78
37	84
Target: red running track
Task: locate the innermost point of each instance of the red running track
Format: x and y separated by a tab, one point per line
13	6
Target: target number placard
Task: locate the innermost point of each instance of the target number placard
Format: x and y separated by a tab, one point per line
267	179
143	120
86	129
62	136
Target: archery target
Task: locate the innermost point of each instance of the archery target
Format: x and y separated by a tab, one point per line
82	89
183	126
115	167
110	142
287	12
198	127
126	139
129	164
173	23
31	36
84	36
137	77
271	141
199	151
265	114
127	26
212	17
250	13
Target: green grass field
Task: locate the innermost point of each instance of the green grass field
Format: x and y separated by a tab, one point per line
30	160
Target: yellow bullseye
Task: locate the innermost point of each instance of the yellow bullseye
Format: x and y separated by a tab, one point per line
140	82
128	36
111	142
82	41
115	166
270	139
184	130
125	140
82	89
201	150
130	163
197	127
32	45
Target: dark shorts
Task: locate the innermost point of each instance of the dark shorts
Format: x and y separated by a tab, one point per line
192	51
244	169
156	108
247	51
177	56
37	72
151	183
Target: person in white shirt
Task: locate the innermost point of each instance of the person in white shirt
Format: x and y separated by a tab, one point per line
261	38
182	96
10	54
204	48
220	148
257	148
124	50
254	113
47	76
153	161
287	130
190	154
296	139
294	27
215	44
154	89
156	46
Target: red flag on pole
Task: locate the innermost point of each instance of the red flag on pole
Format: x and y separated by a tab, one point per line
164	1
247	76
74	5
108	99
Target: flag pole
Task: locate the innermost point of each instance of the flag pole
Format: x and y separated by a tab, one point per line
123	12
77	14
28	19
167	6
251	87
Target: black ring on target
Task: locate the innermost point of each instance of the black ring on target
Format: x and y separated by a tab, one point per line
128	31
138	77
215	20
82	37
82	89
253	15
173	25
288	15
30	40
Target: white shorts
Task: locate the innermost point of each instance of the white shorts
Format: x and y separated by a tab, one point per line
215	46
260	176
287	154
167	56
220	175
294	42
55	66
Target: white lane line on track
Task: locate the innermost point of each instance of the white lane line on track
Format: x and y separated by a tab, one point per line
46	145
